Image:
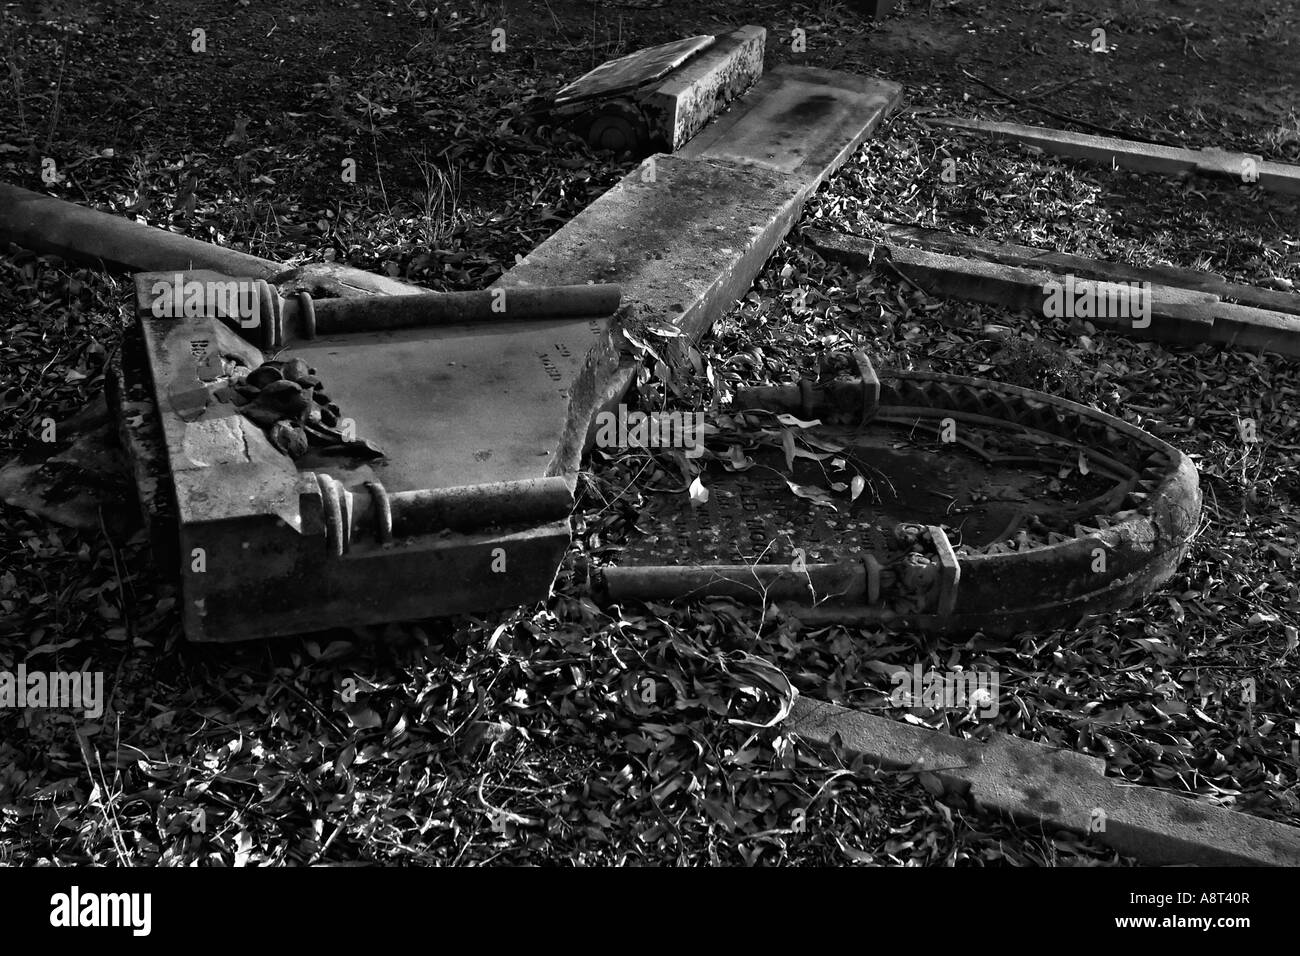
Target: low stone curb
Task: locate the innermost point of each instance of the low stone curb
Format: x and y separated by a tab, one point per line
1061	789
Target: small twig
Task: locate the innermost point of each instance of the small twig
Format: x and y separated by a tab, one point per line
117	571
1064	117
58	91
1054	89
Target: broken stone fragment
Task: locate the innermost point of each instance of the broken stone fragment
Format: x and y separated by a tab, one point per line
328	416
260	416
323	436
281	387
263	376
285	397
295	370
249	392
310	381
358	448
320	397
330	441
289	439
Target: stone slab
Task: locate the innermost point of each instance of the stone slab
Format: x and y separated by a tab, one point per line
802	122
1241	326
700	88
265	568
684	235
222	466
1129	154
1180	316
1061	789
1022	288
263	579
474	404
632	71
451	405
855	250
683	238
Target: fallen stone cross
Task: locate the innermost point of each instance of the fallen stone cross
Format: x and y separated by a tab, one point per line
481	417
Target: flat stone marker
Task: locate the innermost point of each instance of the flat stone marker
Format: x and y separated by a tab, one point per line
633	71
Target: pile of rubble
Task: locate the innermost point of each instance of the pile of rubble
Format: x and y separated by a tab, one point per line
289	402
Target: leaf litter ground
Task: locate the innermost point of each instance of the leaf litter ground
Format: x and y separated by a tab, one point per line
634	734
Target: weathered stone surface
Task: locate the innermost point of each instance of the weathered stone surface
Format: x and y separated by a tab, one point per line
296	370
683	238
289	439
798	120
697	90
634	70
477	403
225	439
219	480
1182	316
1020	288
